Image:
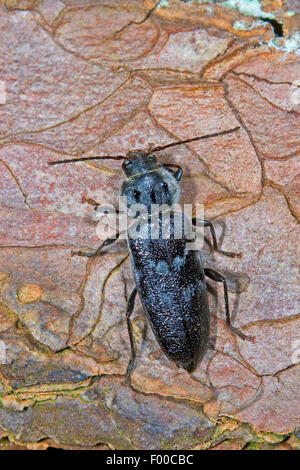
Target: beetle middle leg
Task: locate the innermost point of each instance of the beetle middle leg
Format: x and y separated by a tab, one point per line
207	223
215	276
130	308
107	242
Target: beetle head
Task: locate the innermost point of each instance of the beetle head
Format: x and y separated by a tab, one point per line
139	162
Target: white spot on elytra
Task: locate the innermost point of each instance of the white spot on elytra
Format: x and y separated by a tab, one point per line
162	267
177	263
188	292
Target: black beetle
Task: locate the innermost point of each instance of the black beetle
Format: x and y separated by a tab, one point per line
170	279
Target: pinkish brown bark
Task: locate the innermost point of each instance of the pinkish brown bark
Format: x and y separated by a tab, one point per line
84	79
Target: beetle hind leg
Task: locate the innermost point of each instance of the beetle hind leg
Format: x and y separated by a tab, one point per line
215	276
130	308
189	367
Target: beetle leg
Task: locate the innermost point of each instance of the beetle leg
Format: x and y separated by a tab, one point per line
107	242
130	307
207	223
178	173
215	276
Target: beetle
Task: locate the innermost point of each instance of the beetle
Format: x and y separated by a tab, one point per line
169	278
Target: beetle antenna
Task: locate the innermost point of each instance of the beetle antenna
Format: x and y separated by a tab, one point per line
83	159
156	149
194	139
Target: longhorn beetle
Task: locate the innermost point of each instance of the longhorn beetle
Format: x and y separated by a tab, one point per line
170	279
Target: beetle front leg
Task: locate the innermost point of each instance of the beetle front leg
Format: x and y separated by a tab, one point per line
107	242
215	276
130	308
207	223
178	173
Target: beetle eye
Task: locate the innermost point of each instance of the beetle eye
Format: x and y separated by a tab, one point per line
165	186
136	194
127	163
